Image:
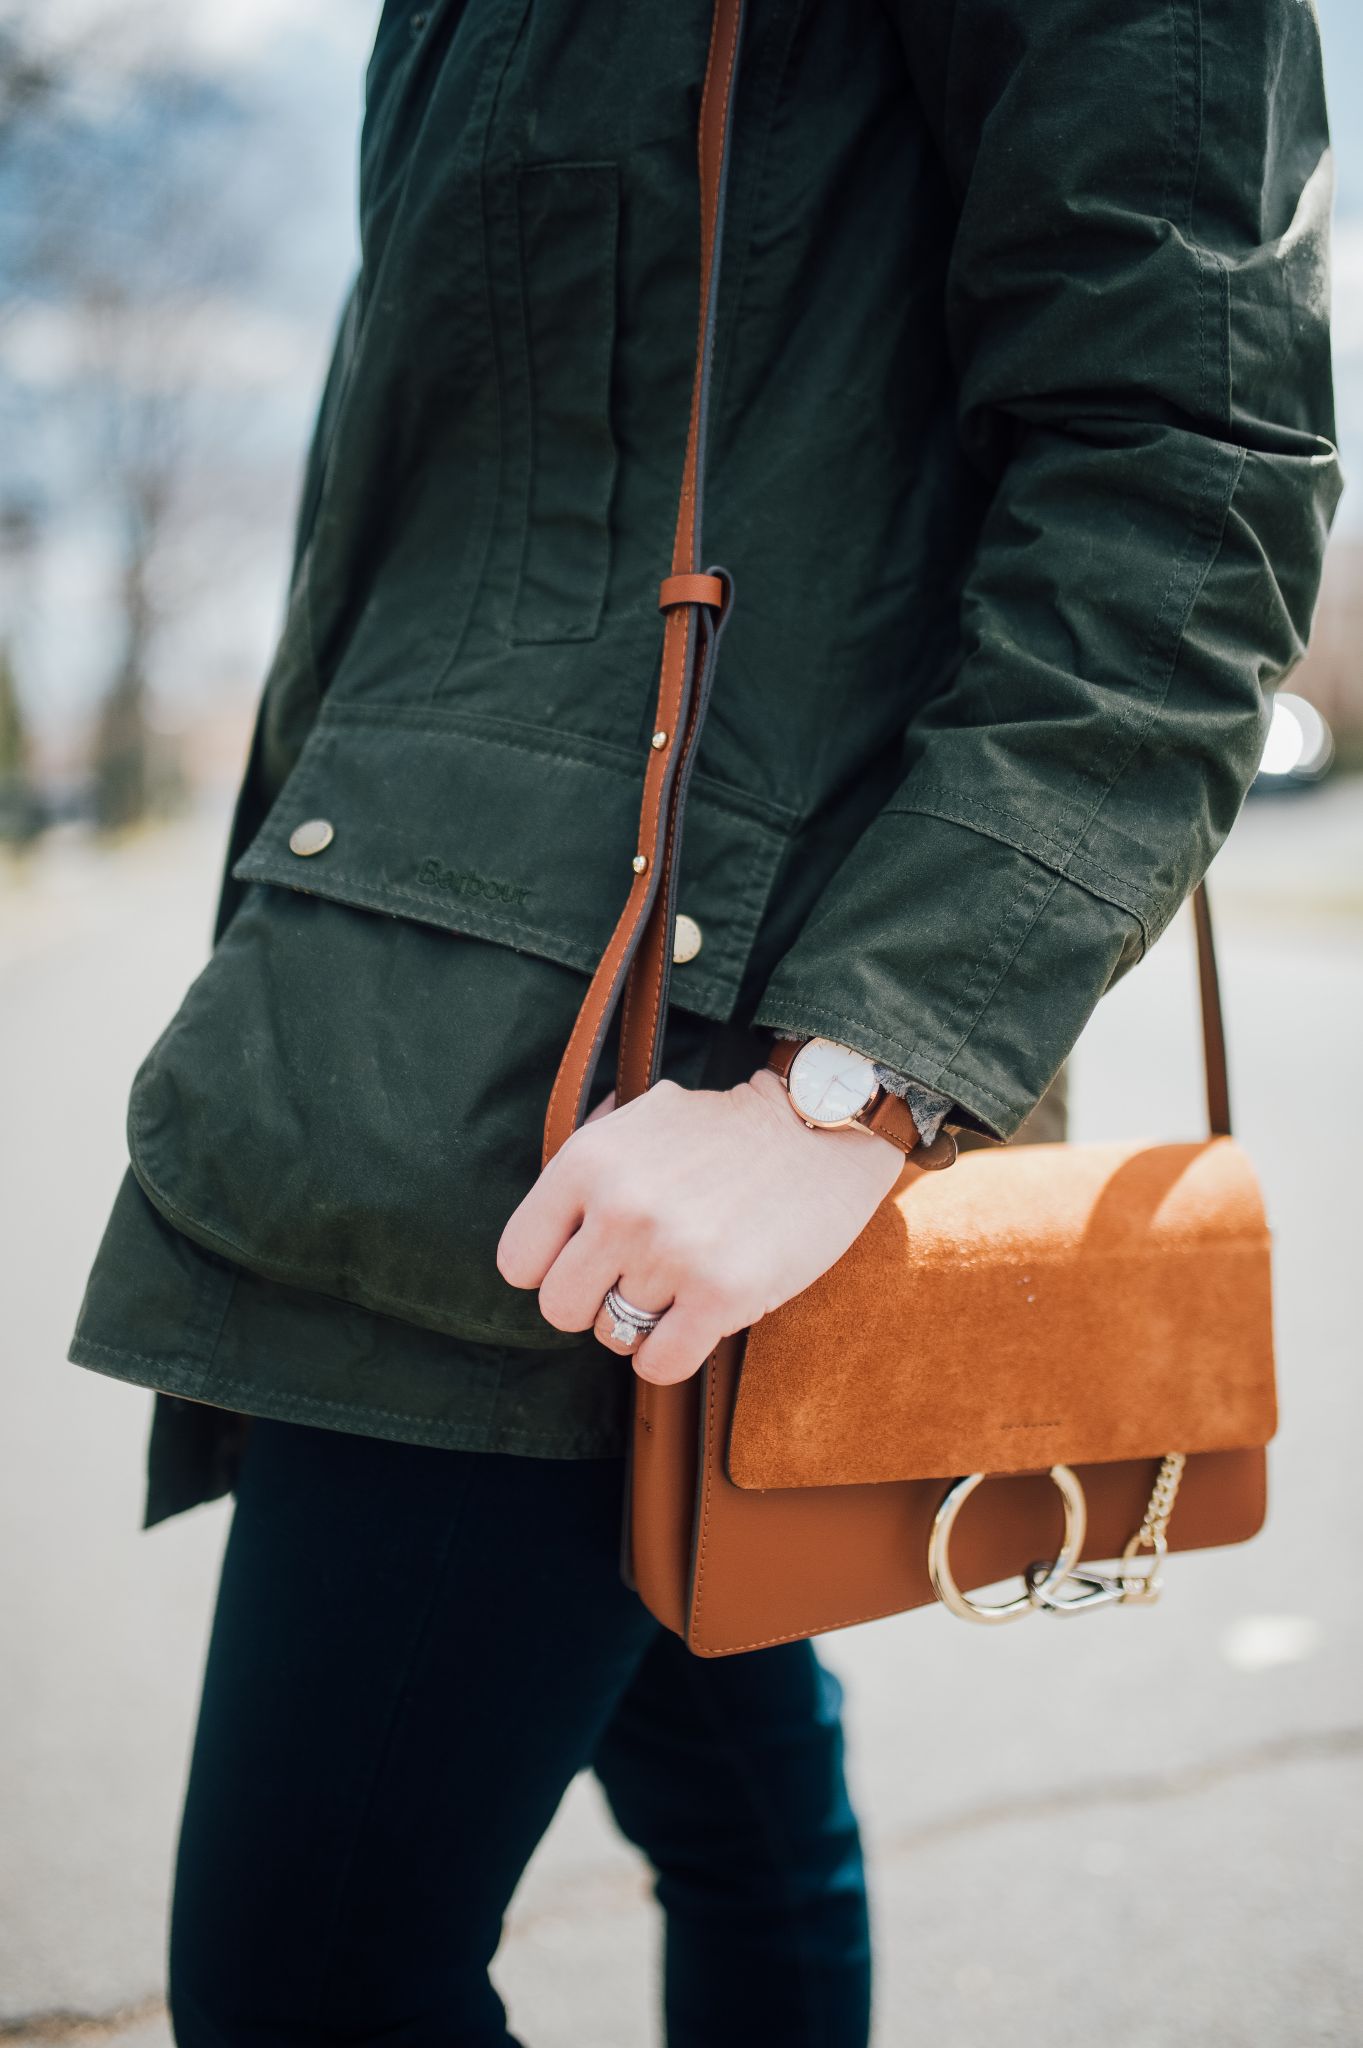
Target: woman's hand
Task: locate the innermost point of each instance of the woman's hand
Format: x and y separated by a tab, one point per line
711	1206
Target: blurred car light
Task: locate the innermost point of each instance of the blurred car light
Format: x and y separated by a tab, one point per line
1299	747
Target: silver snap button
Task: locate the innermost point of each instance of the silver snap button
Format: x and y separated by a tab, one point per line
313	836
686	939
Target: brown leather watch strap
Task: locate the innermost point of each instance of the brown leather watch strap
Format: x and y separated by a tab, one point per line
889	1116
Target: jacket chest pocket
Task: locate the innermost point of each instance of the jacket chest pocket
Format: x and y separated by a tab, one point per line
567	227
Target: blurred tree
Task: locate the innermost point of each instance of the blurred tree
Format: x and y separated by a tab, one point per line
136	274
28	76
20	808
140	418
121	768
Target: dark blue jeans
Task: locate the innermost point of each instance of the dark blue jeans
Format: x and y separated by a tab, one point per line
414	1651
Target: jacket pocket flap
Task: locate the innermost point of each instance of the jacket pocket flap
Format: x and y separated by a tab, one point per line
1073	1304
511	835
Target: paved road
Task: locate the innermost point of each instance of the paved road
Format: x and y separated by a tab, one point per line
1141	1828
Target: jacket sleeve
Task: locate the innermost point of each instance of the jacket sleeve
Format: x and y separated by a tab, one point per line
1137	312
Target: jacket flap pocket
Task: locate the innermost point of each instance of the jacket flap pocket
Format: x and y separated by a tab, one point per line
513	835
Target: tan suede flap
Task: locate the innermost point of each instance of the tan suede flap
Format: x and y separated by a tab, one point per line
1046	1304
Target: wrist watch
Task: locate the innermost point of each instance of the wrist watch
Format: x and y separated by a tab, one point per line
832	1087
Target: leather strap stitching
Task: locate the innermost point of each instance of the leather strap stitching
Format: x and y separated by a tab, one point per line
678	680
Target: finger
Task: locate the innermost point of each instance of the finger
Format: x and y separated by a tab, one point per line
679	1346
571	1291
540	1226
603	1107
642	1295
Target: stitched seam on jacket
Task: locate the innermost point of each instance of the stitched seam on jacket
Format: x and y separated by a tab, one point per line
486	495
434	1432
716	985
605	343
372	897
1206	528
974	814
608	756
735	275
228	1295
1018	916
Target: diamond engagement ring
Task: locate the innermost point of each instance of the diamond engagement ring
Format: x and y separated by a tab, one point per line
628	1325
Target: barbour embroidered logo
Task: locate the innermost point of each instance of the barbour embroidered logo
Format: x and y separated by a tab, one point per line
468	882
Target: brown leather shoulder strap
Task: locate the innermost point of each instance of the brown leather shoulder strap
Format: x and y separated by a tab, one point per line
637	961
1213	1024
694	607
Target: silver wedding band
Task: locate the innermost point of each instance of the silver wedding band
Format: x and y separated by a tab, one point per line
629	1325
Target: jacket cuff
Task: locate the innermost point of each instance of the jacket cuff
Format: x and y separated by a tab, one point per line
950	955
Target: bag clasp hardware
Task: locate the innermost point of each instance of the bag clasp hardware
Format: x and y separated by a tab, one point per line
1074	1595
1062	1586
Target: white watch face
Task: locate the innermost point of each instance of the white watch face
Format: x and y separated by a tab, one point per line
829	1083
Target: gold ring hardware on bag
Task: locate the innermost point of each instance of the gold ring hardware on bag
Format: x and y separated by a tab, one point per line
1058	1587
944	1521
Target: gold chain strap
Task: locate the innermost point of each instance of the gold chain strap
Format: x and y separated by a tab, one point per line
1153	1532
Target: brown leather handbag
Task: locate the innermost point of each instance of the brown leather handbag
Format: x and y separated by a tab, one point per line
1042	1354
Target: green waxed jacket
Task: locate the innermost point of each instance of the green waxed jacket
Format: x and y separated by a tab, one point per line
1022	463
